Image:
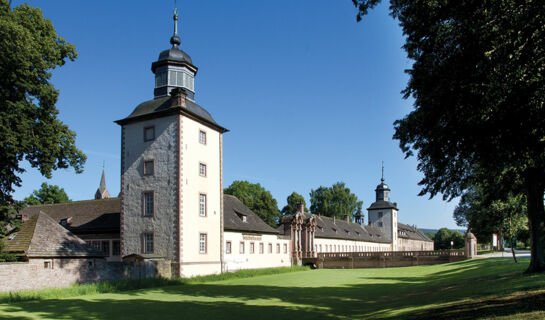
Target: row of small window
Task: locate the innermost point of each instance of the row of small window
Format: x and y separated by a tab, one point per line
148	207
148	237
175	78
149	135
242	247
148	169
104	246
346	248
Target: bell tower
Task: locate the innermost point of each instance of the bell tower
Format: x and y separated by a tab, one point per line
383	214
174	68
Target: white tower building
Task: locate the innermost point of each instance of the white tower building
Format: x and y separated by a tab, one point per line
171	173
383	214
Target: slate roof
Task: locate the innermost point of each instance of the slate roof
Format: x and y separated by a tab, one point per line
41	236
164	105
340	229
382	204
174	54
409	232
89	216
232	208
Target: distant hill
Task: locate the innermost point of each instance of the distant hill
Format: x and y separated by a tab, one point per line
434	231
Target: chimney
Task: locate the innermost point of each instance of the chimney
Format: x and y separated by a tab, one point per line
301	207
178	97
347	218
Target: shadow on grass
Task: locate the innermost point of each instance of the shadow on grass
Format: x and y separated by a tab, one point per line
419	297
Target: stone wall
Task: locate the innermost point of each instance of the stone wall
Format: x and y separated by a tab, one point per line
386	259
163	223
58	273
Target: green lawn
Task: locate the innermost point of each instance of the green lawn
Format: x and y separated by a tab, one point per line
479	288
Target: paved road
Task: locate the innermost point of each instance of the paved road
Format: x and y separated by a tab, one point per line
507	254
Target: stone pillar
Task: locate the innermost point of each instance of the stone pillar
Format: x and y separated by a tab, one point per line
471	245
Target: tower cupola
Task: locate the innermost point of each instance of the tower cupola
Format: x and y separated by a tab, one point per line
382	190
174	68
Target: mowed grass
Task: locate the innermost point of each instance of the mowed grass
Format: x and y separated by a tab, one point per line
492	288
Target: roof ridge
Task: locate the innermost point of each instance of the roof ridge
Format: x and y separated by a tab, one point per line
70	202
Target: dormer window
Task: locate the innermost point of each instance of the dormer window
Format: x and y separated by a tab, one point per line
242	217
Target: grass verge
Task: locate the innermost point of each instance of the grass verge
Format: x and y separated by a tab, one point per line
129	285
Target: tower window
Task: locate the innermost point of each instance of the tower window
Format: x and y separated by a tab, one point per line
147	203
149	167
202	205
202	137
380	215
379	224
149	133
202	169
148	243
160	79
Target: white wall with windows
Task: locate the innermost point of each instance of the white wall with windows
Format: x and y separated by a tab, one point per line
339	245
255	251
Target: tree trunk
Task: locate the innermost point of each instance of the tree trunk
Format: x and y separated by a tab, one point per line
535	189
513	249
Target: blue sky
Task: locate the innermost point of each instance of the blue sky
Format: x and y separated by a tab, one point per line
310	96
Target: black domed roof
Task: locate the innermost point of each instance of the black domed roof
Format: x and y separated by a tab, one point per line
383	186
174	54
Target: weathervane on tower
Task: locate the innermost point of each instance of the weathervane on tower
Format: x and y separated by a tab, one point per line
382	177
175	40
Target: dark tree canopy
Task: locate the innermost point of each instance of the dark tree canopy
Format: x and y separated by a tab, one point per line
335	201
293	200
508	217
447	239
47	194
478	86
257	198
29	127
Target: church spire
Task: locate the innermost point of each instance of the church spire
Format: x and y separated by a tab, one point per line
102	191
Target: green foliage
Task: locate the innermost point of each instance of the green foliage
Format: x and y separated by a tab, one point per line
334	201
508	217
443	238
130	285
47	194
29	127
257	198
6	256
9	221
479	89
293	200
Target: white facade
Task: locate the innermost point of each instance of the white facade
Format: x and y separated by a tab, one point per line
255	251
193	186
322	245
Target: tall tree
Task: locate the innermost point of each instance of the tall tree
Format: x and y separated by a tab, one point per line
257	198
293	200
479	91
47	194
29	127
335	201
